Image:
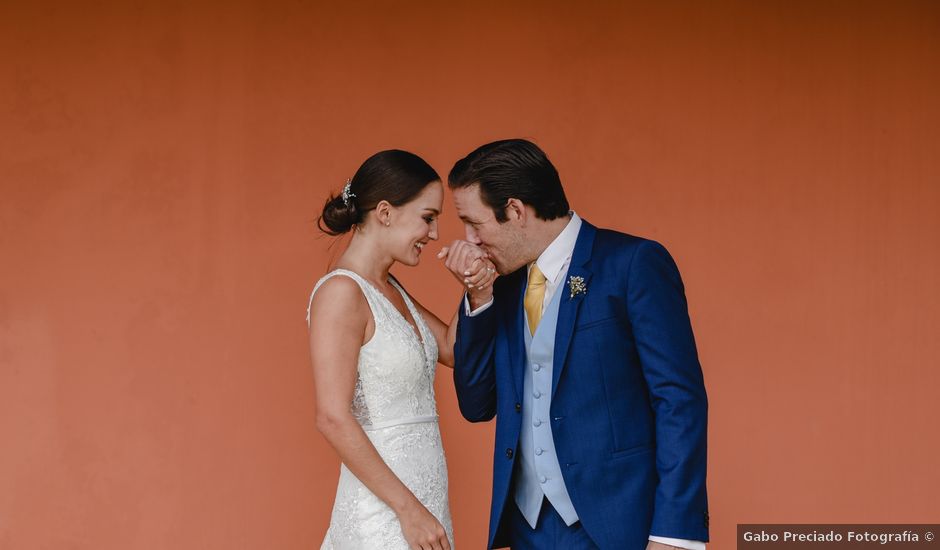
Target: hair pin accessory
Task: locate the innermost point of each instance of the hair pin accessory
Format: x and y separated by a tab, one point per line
347	194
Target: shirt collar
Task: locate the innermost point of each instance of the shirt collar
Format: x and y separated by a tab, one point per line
558	254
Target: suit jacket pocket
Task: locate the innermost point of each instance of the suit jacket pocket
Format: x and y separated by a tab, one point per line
632	451
590	324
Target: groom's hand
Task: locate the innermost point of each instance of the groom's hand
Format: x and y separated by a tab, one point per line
470	265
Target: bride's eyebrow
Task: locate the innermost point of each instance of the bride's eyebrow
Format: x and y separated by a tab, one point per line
434	210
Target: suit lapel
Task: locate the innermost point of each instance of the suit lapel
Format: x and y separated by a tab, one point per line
570	303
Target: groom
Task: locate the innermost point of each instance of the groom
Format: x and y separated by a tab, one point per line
583	350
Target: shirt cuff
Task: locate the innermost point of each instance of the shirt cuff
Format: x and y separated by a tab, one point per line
681	543
477	311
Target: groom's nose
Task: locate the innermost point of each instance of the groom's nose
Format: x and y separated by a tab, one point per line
472	234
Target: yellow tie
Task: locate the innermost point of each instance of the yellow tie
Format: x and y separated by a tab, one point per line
534	295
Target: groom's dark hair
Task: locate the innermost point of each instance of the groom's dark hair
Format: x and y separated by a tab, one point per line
512	169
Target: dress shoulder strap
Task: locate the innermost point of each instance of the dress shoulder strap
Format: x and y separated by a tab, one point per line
367	289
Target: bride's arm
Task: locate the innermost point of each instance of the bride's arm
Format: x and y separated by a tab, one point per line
340	321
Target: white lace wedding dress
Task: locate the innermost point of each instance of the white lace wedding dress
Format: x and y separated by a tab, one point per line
394	403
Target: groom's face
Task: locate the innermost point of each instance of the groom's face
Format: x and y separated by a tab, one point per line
504	243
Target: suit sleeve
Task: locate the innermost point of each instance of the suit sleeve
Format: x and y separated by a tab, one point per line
659	316
474	369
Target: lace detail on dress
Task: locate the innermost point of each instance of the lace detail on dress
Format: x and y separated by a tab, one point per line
394	401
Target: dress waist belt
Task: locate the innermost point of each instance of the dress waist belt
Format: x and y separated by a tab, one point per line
398	422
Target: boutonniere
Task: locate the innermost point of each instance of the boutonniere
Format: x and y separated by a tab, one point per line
576	286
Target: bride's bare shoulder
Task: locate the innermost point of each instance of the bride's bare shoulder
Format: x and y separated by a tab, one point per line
339	297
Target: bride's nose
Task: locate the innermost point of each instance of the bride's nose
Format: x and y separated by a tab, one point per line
432	231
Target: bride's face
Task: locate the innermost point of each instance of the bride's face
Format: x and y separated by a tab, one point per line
414	224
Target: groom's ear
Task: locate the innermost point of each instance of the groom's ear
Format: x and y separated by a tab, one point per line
515	210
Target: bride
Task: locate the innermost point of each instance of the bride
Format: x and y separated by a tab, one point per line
375	351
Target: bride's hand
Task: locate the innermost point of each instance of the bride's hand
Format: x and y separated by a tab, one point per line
472	267
482	273
422	530
469	264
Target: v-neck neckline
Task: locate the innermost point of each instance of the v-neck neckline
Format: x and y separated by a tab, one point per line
412	310
415	328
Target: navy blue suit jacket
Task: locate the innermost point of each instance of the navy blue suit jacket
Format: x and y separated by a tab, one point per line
628	411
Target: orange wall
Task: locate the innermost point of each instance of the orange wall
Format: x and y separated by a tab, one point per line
162	164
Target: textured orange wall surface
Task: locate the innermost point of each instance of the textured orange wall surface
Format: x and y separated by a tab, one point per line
162	164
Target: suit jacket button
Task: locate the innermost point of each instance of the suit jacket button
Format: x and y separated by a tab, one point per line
518	407
508	453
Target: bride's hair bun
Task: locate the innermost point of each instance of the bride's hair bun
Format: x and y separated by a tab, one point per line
394	176
338	216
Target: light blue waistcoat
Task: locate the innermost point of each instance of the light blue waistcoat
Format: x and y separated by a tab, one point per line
539	472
